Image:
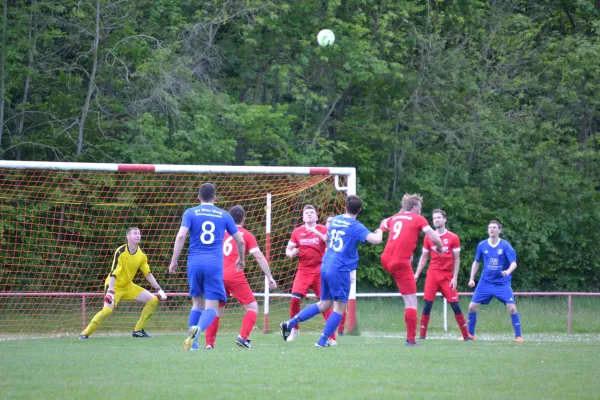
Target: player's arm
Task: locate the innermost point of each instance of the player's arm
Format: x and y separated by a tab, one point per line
291	250
435	238
110	292
177	247
454	281
375	237
422	262
239	241
512	257
264	265
474	269
161	294
511	268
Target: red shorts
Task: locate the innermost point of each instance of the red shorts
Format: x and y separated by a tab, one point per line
239	288
401	271
439	281
307	279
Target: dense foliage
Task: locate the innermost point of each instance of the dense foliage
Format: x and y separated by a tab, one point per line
487	108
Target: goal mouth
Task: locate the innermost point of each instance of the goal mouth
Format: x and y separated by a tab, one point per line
62	223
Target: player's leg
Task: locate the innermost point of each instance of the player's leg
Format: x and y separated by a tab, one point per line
243	293
481	295
338	286
151	302
308	312
315	285
214	294
506	296
405	280
342	324
430	291
451	296
194	281
212	330
107	309
299	291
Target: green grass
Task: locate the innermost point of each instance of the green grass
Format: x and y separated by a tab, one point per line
121	367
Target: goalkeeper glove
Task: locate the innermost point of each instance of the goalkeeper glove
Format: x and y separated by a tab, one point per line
161	295
109	297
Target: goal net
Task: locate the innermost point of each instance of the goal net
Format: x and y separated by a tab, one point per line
61	223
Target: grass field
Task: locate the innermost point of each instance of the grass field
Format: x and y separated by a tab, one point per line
359	367
549	365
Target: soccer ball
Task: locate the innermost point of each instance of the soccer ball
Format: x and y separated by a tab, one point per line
325	38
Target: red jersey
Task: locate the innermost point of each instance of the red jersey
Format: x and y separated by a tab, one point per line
310	247
443	261
404	230
230	251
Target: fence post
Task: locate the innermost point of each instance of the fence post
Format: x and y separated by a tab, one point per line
569	314
83	312
445	315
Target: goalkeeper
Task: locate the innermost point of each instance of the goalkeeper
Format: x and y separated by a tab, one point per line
119	285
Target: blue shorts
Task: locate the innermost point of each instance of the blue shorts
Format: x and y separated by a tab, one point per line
335	285
484	292
207	282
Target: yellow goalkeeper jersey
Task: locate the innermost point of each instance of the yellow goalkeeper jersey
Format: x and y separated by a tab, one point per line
125	265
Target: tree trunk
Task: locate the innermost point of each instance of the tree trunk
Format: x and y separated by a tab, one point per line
92	83
32	36
2	77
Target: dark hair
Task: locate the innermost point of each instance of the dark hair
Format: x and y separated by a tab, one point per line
439	211
133	228
495	222
353	204
237	213
207	192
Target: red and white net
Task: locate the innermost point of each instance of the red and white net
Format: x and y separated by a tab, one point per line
59	230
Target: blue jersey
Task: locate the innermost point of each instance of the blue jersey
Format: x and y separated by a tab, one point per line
207	225
495	260
342	250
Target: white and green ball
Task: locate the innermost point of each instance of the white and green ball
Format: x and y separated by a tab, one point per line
325	38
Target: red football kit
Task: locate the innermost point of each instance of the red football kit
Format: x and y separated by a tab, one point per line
310	254
441	267
235	282
404	229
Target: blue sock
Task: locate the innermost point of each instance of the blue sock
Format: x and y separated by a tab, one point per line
207	317
306	313
472	322
195	314
330	327
516	321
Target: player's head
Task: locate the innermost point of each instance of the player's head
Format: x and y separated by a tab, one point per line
412	203
328	220
494	229
133	235
309	214
439	218
353	204
208	193
238	214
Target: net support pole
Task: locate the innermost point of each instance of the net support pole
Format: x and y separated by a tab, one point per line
569	313
351	317
268	257
83	307
445	315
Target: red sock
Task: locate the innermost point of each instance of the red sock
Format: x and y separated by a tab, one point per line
248	323
326	314
462	324
211	332
294	308
342	323
410	318
424	324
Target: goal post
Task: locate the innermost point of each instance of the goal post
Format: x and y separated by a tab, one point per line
61	223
